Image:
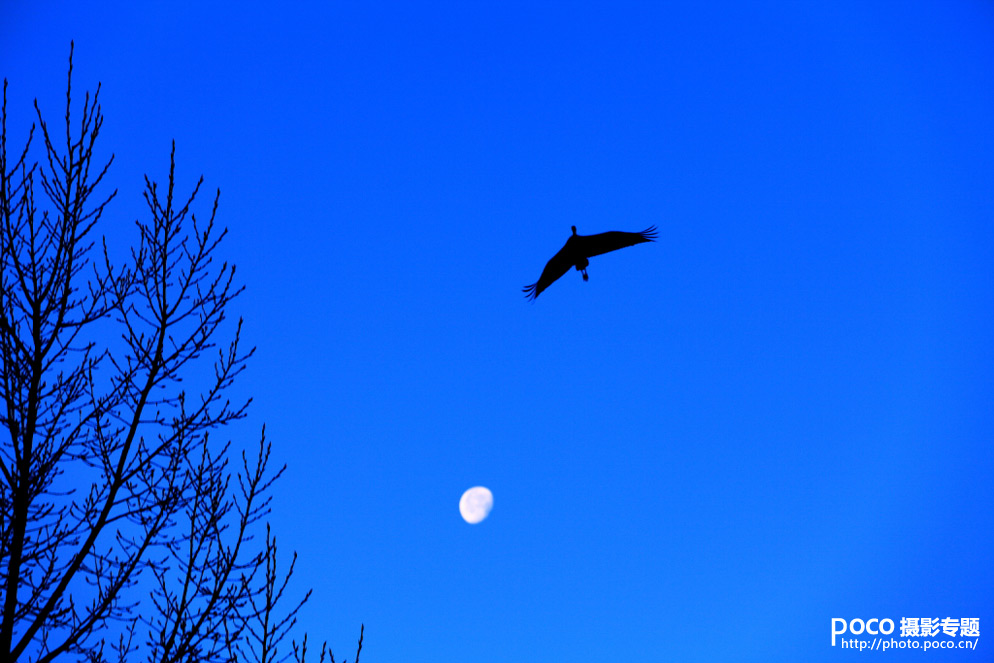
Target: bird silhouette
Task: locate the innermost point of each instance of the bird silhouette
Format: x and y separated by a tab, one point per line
577	251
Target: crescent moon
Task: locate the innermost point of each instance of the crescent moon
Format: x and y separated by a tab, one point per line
475	504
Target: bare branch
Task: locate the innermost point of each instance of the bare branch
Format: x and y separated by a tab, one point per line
123	531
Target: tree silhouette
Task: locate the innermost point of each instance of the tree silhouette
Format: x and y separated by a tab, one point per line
124	530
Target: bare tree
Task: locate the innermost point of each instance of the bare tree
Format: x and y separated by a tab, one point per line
124	532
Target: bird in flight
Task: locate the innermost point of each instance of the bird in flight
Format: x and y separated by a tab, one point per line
578	249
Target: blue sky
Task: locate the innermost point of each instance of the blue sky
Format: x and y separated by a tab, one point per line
777	414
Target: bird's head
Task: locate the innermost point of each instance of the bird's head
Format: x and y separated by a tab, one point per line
574	229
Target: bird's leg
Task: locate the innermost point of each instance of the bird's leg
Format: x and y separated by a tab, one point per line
581	267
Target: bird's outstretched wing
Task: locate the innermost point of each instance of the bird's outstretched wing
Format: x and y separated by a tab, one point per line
594	245
559	265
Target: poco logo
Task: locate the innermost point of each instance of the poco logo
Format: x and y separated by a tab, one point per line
857	626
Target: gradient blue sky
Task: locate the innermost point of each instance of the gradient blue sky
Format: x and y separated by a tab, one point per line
778	414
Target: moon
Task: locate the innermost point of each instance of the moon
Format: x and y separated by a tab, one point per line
475	504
